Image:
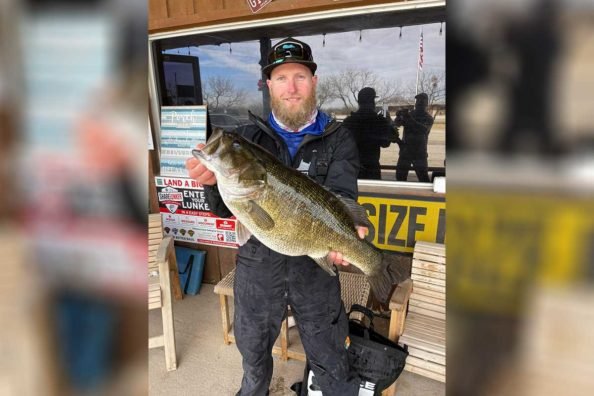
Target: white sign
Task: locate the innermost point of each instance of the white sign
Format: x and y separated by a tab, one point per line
186	214
182	128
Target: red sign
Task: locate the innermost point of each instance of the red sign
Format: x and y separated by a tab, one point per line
223	224
257	5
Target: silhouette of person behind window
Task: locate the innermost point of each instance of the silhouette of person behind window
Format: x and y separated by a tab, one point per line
371	131
535	42
413	147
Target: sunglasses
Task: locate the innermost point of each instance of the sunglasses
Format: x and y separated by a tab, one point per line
290	49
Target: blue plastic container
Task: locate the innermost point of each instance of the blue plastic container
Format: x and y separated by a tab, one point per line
190	265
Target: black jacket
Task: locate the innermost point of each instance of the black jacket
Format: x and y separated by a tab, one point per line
267	281
417	126
331	159
371	131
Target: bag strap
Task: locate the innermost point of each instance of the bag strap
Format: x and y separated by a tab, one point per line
365	311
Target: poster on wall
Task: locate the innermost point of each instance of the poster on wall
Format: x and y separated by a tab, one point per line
186	214
182	128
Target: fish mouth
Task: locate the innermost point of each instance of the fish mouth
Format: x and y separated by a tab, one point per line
201	155
207	160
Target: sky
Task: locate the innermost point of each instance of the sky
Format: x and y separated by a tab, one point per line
380	50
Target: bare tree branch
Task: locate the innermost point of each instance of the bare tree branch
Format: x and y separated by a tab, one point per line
221	93
432	83
344	86
324	91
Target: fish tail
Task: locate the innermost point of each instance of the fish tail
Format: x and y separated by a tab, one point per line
398	266
394	269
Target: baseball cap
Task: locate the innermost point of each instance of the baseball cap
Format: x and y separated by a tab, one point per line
289	50
423	96
366	95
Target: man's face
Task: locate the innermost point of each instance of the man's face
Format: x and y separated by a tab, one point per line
293	94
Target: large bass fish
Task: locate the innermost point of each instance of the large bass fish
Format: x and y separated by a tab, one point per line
293	215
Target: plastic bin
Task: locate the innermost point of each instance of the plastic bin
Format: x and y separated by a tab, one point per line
190	265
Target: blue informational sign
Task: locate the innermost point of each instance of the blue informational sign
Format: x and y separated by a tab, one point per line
182	128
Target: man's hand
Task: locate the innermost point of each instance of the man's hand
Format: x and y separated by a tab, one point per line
199	172
336	257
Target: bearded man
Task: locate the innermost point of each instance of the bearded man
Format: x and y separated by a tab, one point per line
266	282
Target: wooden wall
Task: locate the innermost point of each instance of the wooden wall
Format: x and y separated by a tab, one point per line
168	15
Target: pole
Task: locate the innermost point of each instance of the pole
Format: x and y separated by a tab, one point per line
418	63
417	83
265	46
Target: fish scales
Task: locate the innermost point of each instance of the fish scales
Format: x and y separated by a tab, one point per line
305	215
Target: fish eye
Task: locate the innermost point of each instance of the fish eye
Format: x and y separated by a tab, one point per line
236	144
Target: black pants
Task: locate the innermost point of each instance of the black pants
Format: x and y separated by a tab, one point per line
419	165
370	172
265	282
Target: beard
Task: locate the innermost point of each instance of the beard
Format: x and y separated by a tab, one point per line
294	118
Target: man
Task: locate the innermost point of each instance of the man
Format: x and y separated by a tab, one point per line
371	131
413	147
267	281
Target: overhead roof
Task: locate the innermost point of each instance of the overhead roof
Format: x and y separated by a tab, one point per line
311	27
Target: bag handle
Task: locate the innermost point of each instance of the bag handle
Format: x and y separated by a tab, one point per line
365	311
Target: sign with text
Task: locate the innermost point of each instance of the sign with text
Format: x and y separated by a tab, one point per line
510	243
186	214
182	128
257	5
399	221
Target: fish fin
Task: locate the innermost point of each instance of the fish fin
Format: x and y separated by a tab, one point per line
395	269
325	264
381	285
243	234
216	133
399	266
357	212
259	216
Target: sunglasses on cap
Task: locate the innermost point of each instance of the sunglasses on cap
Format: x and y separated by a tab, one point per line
289	49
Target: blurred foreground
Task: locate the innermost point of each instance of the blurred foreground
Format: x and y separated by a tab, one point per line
520	146
73	235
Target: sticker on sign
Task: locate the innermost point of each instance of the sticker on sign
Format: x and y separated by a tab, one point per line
257	5
223	224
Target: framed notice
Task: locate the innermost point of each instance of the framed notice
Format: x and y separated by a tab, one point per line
186	214
182	128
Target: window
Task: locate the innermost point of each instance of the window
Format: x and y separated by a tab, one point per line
382	56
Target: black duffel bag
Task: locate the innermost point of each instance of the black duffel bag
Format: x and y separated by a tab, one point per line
374	357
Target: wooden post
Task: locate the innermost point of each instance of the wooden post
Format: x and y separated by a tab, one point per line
225	316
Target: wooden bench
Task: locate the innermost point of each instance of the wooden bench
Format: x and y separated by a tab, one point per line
354	289
163	282
418	314
425	324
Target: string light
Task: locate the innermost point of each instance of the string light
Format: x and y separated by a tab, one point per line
440	28
324	41
188	50
230	50
400	35
360	36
